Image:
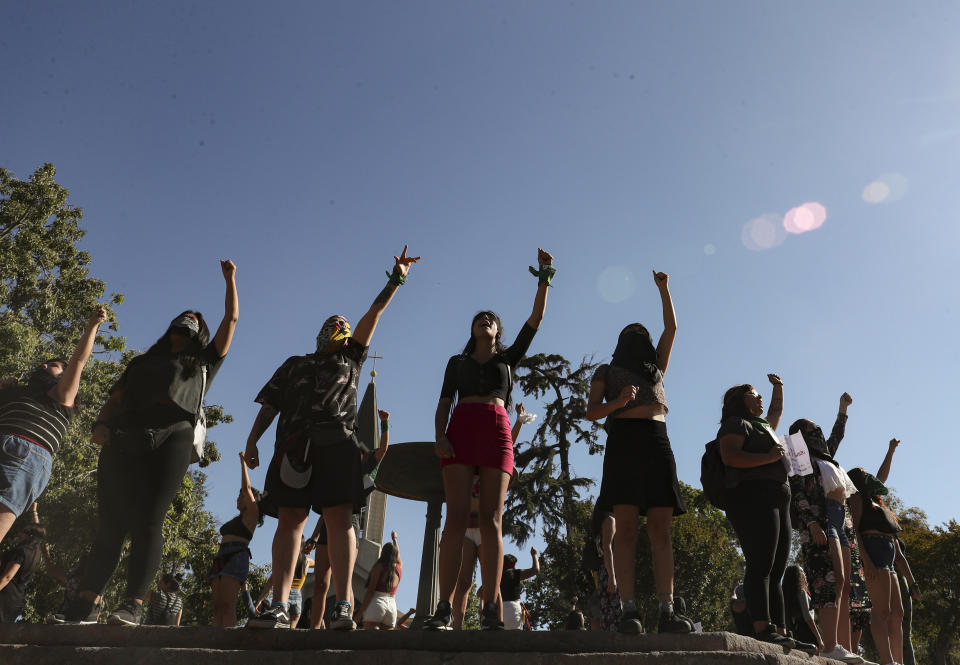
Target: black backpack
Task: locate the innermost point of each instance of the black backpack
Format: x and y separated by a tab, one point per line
713	474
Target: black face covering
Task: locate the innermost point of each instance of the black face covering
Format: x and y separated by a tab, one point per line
816	444
41	381
635	351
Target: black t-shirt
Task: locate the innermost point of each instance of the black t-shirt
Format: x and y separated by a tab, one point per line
37	417
315	390
28	556
511	584
466	377
759	437
157	380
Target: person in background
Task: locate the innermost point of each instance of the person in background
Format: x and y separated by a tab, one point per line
511	587
379	608
799	613
164	604
231	564
17	566
34	418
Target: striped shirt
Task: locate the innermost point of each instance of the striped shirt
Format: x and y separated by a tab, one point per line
163	609
37	418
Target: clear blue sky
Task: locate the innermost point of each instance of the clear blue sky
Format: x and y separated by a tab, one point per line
309	141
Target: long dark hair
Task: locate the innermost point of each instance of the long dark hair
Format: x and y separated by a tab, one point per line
301	568
389	557
733	406
792	586
471	345
635	351
190	356
258	497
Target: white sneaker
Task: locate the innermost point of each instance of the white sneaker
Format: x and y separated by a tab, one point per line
841	654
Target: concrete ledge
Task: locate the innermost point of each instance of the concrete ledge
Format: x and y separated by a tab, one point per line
58	655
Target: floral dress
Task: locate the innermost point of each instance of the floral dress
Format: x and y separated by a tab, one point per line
808	504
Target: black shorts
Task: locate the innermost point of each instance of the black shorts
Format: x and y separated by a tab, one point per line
639	468
335	479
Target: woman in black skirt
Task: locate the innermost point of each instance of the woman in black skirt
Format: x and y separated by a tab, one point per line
639	470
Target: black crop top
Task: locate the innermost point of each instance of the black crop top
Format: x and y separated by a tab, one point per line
876	518
236	527
467	378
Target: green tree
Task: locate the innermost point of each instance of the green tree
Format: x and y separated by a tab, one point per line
547	490
46	296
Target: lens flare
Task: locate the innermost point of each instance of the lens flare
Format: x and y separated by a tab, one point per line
888	188
710	249
804	218
763	232
616	284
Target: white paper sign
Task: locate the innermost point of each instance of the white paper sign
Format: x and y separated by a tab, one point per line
698	627
798	457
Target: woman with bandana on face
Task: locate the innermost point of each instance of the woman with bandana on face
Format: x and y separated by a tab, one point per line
476	439
146	431
818	511
877	529
639	469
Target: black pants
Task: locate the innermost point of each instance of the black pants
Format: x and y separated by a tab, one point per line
760	513
138	476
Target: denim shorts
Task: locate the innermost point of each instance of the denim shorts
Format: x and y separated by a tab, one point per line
835	517
232	560
880	549
296	602
24	472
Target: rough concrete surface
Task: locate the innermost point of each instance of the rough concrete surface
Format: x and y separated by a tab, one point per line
31	644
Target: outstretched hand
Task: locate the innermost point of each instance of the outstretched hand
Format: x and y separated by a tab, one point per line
544	257
384	415
894	443
845	399
403	262
229	269
661	279
775	380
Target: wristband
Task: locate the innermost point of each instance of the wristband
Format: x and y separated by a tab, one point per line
396	278
384	425
544	274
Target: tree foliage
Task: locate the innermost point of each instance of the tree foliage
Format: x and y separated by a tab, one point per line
46	296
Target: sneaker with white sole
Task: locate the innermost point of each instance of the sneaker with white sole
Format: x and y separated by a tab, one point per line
342	616
128	614
275	617
844	656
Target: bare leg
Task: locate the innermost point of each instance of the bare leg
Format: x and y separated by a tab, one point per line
286	547
878	587
625	549
843	621
321	586
225	590
468	563
294	621
7	518
457	482
895	622
341	548
493	491
658	530
371	625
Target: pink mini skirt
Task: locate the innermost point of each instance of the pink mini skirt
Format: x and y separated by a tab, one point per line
480	436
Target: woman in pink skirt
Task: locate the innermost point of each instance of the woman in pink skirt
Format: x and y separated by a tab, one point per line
476	439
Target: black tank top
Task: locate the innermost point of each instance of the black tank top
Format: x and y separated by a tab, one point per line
236	527
511	584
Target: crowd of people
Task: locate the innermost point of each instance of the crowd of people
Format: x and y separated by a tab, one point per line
152	427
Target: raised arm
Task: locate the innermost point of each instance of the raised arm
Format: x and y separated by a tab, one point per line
775	410
396	547
884	470
65	392
231	310
518	423
384	434
840	426
368	322
665	345
545	276
51	567
245	492
260	424
534	568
